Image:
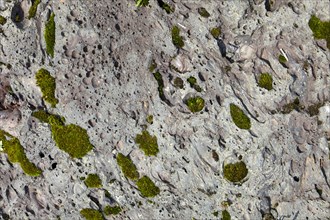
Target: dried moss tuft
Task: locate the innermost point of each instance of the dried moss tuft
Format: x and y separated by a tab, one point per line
147	187
147	143
235	172
241	120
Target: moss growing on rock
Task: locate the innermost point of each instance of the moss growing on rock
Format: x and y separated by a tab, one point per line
71	138
193	83
215	32
141	3
176	38
295	105
235	172
91	214
241	120
313	110
225	215
195	104
178	83
127	167
47	85
169	9
147	187
203	12
282	59
147	143
160	82
43	116
266	81
321	29
33	9
50	35
3	20
115	210
15	152
93	181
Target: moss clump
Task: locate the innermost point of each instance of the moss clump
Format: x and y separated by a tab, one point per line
321	29
147	187
295	105
15	152
147	143
71	138
33	9
239	118
127	167
266	81
215	213
178	83
235	172
195	104
313	110
3	20
169	9
225	215
215	32
93	181
141	3
152	66
91	214
150	119
41	115
108	210
50	35
193	83
160	82
47	85
282	59
203	12
177	40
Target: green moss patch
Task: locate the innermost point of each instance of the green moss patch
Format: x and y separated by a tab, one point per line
50	35
215	32
141	3
70	138
150	119
168	8
47	85
195	104
321	29
240	119
147	143
225	215
177	40
266	81
282	59
235	172
33	9
93	181
147	187
203	12
91	214
3	20
115	210
15	152
127	167
193	83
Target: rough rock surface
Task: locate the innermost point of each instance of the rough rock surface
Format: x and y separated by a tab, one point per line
102	55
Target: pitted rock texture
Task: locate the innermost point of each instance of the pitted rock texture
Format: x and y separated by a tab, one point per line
101	62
